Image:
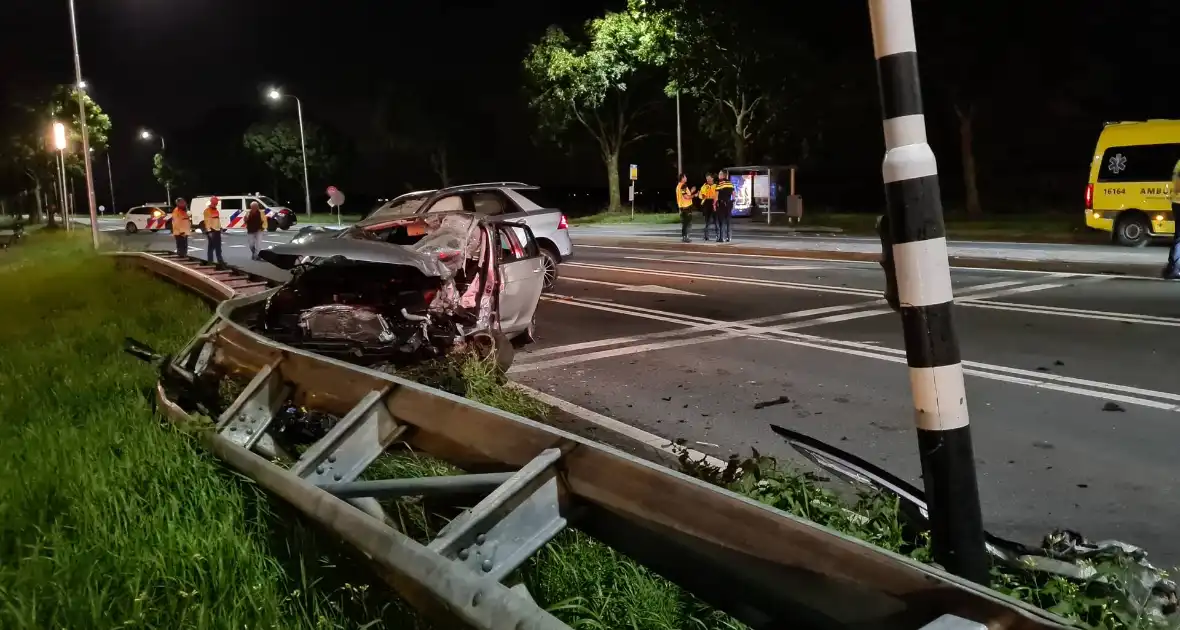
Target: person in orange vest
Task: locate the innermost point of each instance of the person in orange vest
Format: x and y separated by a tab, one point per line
181	226
684	204
213	230
708	197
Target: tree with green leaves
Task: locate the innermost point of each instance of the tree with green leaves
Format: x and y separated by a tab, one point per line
166	173
748	76
29	138
604	81
277	146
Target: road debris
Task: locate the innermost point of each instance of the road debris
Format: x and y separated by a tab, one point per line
781	400
1111	406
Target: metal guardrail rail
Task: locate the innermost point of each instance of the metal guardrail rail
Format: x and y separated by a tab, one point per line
765	567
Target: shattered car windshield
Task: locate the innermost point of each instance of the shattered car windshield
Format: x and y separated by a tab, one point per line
399	207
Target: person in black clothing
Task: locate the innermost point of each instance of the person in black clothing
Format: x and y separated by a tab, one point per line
724	205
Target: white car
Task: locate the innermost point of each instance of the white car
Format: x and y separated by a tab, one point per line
233	211
514	202
152	217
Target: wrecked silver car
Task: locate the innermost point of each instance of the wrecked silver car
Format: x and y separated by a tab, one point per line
421	287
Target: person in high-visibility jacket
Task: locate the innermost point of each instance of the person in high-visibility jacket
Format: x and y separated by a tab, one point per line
181	226
213	230
724	204
684	204
1172	271
708	195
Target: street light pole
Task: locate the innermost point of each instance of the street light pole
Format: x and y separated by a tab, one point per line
111	180
147	135
167	181
78	86
275	95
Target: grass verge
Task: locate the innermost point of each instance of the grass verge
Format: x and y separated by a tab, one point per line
106	519
640	218
1031	228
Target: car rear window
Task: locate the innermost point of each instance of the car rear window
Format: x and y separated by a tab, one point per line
537	196
1142	163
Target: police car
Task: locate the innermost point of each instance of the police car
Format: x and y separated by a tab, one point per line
153	217
233	211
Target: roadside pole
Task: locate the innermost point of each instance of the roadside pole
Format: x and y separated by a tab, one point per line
631	191
917	235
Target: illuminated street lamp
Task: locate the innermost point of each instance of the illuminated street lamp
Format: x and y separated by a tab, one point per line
82	85
82	124
59	143
145	134
274	94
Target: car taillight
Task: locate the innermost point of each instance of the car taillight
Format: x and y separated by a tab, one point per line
563	224
429	294
1089	196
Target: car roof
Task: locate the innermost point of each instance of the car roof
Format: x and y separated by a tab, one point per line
485	186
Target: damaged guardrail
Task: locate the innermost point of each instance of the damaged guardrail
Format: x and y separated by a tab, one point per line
765	567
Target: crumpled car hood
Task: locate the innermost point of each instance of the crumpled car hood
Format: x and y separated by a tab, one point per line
357	250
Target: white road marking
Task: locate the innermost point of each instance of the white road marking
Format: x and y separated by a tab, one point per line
1040	380
598	343
870	262
642	288
1027	375
703	324
731	279
617	352
1113	316
635	433
716	264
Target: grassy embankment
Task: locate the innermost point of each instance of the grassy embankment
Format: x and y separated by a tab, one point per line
109	520
1035	228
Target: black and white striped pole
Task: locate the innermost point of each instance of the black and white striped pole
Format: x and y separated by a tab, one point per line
917	239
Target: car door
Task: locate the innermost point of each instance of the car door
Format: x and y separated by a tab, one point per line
522	277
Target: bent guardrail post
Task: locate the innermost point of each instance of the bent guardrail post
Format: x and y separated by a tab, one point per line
443	589
765	567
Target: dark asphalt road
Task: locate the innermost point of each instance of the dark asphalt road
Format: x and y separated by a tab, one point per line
684	345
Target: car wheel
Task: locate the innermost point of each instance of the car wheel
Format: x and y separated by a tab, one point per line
1132	230
549	264
272	226
131	229
285	224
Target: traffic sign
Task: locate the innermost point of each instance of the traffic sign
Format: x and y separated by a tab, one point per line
335	197
634	172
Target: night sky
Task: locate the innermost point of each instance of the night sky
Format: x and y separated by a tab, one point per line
1047	72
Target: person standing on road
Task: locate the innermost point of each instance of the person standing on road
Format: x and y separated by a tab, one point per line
1172	271
724	205
213	230
181	226
255	225
684	204
708	197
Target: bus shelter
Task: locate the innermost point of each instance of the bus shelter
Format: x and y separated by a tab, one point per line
765	190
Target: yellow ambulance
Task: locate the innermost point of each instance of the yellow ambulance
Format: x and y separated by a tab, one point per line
1129	189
